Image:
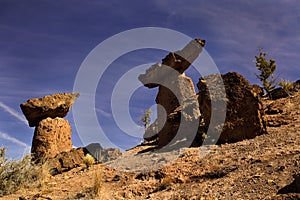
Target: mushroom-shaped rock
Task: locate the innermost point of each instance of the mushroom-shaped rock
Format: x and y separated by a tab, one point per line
56	105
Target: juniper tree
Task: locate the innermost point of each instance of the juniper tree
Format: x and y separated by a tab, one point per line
145	119
267	69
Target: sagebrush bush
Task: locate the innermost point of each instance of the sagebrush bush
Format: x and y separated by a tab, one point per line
88	160
15	174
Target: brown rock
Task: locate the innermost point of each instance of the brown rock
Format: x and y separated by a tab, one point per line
178	107
179	60
108	155
257	90
177	101
66	161
278	93
56	105
244	113
51	137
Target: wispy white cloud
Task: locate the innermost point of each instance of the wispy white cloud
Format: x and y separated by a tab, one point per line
12	139
103	113
14	113
9	138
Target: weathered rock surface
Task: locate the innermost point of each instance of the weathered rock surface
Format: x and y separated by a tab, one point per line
277	112
51	137
100	154
66	161
92	149
175	90
178	103
108	154
244	112
56	105
174	63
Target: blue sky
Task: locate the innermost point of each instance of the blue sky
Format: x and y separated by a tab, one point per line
44	42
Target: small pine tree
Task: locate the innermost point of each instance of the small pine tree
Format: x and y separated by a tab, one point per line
145	119
267	69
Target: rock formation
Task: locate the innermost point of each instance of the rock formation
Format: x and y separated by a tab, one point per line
56	105
100	154
52	135
176	94
66	160
244	113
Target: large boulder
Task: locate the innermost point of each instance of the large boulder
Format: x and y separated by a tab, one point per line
51	137
244	112
56	105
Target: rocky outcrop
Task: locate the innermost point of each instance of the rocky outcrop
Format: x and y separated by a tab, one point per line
56	105
100	154
244	112
51	137
181	109
52	134
176	94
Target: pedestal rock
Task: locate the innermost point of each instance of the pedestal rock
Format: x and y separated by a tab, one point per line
51	137
174	114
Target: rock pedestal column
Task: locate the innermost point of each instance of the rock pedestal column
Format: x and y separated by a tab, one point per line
52	134
178	106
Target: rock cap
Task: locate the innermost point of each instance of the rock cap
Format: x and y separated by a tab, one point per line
55	105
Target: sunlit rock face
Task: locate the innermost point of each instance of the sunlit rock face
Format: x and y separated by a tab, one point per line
51	137
52	134
56	105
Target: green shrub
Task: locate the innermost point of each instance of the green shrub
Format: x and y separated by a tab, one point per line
15	174
267	69
145	119
286	85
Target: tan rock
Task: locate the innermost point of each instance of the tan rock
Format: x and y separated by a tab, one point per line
244	113
56	105
51	137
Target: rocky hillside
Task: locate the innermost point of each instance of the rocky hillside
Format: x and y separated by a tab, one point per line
265	167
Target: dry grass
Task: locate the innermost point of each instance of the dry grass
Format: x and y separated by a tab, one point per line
97	182
15	175
88	160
